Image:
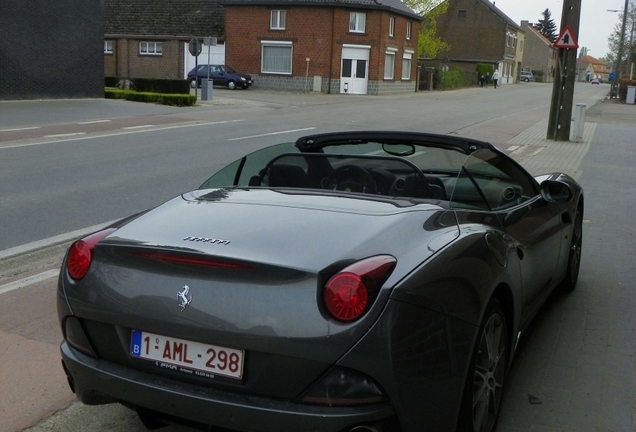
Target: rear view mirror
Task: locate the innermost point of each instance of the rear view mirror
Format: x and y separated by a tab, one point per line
556	191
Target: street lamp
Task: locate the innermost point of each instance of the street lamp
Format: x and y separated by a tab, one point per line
617	75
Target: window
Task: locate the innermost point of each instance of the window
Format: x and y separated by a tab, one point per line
277	20
356	22
408	30
108	47
150	48
406	64
276	57
461	13
389	63
391	26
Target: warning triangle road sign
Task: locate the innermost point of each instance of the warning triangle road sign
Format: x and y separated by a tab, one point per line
566	39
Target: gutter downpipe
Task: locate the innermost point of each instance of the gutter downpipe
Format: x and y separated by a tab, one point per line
333	19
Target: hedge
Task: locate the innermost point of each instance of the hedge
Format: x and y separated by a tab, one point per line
148	97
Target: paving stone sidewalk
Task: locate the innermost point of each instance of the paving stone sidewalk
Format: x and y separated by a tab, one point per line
575	368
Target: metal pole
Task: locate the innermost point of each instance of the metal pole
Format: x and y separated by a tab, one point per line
631	47
209	41
306	74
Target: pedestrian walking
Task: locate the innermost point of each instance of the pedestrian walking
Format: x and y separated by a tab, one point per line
495	77
487	79
481	81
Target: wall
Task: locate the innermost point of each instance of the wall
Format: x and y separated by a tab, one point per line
51	49
479	36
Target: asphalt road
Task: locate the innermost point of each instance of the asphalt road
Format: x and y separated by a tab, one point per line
66	165
578	359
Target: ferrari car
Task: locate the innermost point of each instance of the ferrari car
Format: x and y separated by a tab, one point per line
361	281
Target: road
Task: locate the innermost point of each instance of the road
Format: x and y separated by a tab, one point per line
76	182
109	159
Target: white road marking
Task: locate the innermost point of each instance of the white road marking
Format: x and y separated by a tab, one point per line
271	133
30	280
137	127
64	135
93	122
19	129
116	134
22	249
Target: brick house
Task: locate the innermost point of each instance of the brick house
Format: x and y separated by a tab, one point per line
539	54
349	46
478	32
149	38
590	67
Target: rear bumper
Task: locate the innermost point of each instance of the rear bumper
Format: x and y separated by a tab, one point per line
99	382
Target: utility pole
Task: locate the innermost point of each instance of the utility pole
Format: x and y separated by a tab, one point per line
565	77
619	55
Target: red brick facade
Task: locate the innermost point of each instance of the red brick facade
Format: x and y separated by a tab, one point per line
126	61
319	33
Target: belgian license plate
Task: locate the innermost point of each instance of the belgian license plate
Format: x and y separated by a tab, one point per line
209	360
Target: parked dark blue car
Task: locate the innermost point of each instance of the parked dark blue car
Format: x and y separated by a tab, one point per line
221	75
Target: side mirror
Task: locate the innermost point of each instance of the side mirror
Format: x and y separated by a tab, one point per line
556	191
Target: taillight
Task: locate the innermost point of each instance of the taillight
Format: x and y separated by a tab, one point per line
349	293
80	254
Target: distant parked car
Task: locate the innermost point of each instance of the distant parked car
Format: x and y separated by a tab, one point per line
596	81
526	76
220	75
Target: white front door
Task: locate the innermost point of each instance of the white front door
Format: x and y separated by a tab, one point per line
354	69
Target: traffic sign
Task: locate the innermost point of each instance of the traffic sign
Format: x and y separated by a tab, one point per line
195	47
566	39
612	76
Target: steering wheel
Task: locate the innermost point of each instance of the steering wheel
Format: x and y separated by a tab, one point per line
350	178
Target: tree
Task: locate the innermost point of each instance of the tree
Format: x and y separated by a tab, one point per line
546	26
428	44
629	44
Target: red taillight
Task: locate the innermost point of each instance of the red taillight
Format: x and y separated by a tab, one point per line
80	254
348	293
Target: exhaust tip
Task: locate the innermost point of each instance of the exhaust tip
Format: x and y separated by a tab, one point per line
363	428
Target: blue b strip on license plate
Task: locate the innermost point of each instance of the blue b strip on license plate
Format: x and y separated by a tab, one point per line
135	343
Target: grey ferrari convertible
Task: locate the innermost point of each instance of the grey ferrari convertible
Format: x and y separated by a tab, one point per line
346	282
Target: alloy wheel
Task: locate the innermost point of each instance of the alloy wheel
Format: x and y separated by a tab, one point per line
489	372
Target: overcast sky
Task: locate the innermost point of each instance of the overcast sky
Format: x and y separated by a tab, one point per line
596	23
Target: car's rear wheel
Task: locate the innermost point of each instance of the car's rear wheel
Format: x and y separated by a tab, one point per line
193	83
574	257
231	85
484	384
